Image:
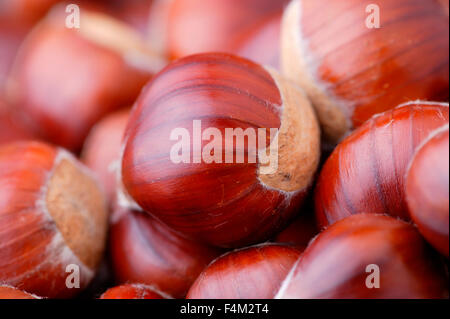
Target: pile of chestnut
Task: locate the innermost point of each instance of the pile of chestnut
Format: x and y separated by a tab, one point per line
96	95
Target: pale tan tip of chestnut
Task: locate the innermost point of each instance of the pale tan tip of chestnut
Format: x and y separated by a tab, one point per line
298	140
77	205
298	66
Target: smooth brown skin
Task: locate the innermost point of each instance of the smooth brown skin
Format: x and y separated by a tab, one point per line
427	190
366	172
261	43
221	204
131	291
7	292
251	273
33	256
81	83
11	128
102	149
144	250
197	26
334	265
300	232
372	70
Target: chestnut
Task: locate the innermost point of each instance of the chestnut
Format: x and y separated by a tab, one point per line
53	220
300	232
260	43
214	24
144	250
427	189
133	291
367	256
101	150
250	273
352	70
24	13
8	292
231	190
366	172
11	128
65	80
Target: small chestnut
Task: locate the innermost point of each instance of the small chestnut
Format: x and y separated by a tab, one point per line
427	189
133	291
226	192
146	251
366	172
250	273
8	292
101	150
65	80
352	67
367	256
53	220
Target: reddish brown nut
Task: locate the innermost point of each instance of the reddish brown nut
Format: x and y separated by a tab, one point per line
366	172
11	128
133	291
101	151
146	251
228	195
53	220
196	26
300	232
64	80
261	42
8	292
352	71
427	189
251	273
367	256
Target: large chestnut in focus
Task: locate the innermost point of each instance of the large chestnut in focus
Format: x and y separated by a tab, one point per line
8	292
427	189
143	250
64	80
53	220
367	256
221	149
351	69
366	172
251	273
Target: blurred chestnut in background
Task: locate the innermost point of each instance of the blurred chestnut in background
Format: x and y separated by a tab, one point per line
366	172
24	13
133	291
8	292
427	189
367	256
197	26
11	128
250	273
352	70
53	215
144	250
101	151
213	197
300	232
64	80
261	43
